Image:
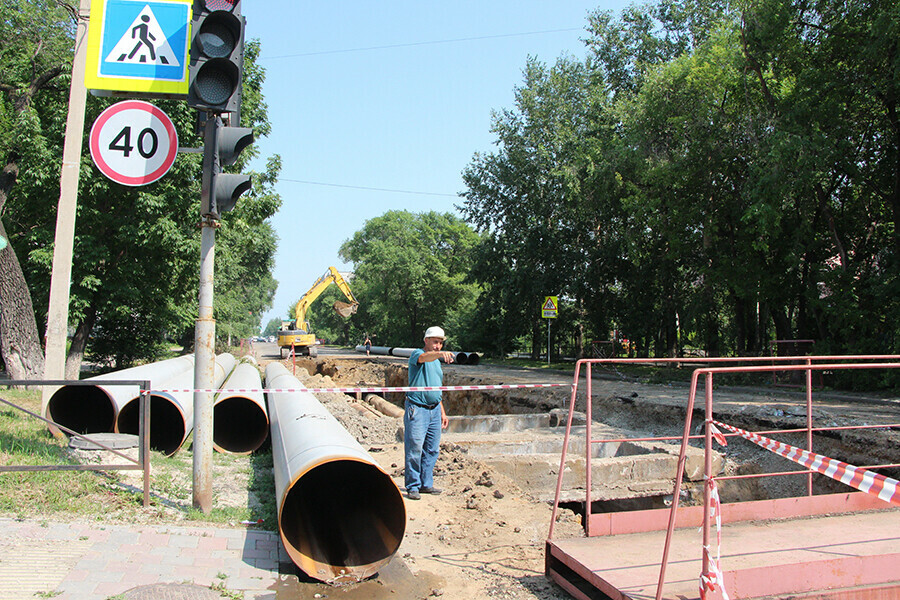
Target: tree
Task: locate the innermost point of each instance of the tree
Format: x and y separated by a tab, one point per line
134	276
36	53
409	273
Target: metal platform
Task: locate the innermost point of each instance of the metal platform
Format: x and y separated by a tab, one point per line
819	551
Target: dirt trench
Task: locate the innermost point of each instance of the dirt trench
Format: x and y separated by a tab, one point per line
484	535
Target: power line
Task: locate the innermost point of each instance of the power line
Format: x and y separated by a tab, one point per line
430	43
371	189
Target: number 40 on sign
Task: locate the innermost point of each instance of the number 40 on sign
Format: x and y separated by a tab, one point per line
133	143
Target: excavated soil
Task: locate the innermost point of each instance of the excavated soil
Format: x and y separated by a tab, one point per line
484	535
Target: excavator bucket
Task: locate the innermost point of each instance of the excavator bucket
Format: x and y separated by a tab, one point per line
344	309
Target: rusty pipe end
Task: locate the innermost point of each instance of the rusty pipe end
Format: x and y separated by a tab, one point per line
342	520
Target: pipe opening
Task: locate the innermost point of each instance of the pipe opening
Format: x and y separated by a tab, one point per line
240	425
167	427
84	409
344	513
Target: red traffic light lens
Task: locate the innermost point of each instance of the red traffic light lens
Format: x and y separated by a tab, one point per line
220	4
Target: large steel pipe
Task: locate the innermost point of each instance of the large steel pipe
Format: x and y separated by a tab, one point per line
381	350
171	408
340	516
404	352
240	420
93	409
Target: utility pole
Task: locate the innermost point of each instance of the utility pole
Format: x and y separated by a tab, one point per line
61	275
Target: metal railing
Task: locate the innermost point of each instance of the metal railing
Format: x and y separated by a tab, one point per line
143	461
707	368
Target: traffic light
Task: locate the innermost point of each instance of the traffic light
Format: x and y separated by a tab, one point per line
221	147
217	56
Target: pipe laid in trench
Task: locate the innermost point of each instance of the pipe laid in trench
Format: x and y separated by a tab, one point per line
340	516
380	350
94	408
240	420
171	408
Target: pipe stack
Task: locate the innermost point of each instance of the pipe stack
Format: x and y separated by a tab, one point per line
171	408
340	516
95	408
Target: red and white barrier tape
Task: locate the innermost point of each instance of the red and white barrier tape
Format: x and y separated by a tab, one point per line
886	488
714	579
352	390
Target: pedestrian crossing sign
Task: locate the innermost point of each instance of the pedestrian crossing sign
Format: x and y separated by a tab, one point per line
550	307
139	48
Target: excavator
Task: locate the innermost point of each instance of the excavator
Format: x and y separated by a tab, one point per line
296	334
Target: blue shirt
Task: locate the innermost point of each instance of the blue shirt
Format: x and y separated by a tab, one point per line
426	374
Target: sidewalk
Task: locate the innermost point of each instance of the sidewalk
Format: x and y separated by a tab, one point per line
94	561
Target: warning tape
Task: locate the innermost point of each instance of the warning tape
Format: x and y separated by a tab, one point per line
351	390
714	579
886	488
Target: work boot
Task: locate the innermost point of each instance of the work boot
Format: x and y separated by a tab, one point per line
431	490
414	495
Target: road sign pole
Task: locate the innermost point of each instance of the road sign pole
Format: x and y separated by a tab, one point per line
548	342
61	274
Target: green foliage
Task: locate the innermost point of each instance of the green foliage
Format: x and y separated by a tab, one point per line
410	273
134	272
713	174
272	327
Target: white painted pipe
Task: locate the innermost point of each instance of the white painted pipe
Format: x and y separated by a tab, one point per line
171	408
340	515
94	409
240	419
380	350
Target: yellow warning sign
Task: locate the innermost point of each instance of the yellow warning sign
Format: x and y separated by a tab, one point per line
550	308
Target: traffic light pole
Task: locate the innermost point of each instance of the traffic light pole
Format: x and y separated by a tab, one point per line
204	371
205	345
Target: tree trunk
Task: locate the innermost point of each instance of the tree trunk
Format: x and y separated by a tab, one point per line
79	342
536	341
20	344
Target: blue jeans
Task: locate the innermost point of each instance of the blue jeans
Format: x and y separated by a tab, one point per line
421	443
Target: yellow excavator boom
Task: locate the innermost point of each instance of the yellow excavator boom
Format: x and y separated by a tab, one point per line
298	334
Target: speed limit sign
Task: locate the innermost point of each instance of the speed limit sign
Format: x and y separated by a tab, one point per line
133	143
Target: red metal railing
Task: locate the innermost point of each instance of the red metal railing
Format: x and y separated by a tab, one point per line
735	365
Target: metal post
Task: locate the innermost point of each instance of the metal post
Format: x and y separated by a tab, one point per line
205	331
61	274
809	423
204	371
144	438
548	342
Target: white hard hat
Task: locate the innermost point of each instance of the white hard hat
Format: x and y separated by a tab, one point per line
435	332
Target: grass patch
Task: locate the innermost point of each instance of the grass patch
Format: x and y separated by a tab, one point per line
118	495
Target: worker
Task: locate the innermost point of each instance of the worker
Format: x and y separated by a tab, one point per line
424	417
368	344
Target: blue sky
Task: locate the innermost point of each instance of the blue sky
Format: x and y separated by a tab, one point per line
379	106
